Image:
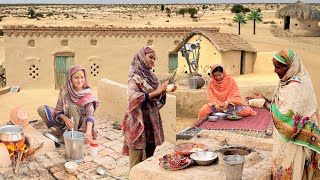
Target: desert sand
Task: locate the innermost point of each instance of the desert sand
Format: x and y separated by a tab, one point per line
144	16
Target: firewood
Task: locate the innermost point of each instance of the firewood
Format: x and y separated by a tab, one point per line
32	151
16	170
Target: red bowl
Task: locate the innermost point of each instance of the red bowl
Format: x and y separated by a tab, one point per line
185	148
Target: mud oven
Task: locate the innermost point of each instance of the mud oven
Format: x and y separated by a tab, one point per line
13	139
256	151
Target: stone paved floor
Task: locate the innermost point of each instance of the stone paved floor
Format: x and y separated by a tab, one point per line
51	164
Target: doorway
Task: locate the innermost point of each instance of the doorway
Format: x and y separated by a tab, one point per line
287	23
242	64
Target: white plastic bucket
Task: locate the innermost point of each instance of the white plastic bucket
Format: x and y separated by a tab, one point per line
94	148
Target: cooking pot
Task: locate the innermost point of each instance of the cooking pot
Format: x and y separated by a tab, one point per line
11	133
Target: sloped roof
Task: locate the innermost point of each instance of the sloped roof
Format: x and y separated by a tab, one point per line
222	41
299	10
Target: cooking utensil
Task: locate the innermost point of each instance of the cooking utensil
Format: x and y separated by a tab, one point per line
221	115
72	128
74	146
11	133
53	138
189	148
103	172
204	158
71	167
213	118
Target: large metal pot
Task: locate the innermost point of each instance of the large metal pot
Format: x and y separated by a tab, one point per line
11	133
74	146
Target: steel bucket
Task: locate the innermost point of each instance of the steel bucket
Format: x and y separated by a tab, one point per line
233	166
74	146
192	81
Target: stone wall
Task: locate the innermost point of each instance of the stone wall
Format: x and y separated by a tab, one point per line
113	103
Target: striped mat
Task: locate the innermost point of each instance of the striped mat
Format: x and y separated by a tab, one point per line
259	122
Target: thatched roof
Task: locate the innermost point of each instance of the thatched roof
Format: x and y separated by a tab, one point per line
299	10
222	41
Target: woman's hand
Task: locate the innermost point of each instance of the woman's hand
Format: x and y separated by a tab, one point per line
255	96
171	88
68	122
224	106
258	96
162	87
89	137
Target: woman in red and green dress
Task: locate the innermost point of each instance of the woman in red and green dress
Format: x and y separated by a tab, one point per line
296	141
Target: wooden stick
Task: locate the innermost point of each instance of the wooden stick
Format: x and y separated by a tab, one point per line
16	170
32	151
13	161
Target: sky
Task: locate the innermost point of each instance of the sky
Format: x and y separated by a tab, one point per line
147	1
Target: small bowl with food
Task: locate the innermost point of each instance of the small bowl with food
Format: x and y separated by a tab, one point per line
189	147
204	158
234	117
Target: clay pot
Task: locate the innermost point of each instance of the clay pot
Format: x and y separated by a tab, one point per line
200	82
196	82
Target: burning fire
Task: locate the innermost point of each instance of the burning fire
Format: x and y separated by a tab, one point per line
15	147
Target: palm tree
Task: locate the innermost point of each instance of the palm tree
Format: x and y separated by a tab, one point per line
240	19
255	16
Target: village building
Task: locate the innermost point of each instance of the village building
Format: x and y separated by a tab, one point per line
300	19
39	57
230	50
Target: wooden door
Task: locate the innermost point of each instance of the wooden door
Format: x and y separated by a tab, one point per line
62	65
173	62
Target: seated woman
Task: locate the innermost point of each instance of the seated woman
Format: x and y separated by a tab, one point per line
76	101
223	95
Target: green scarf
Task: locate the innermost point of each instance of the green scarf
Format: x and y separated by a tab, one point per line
307	135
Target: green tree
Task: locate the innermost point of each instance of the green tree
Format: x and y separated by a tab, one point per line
245	10
254	16
192	12
31	13
168	11
182	11
240	19
162	7
204	7
237	8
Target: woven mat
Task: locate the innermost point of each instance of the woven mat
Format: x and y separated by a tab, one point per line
259	122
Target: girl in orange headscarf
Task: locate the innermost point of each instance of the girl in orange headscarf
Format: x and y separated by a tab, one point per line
223	95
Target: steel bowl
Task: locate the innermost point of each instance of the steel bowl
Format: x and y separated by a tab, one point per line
11	133
213	118
221	115
204	158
